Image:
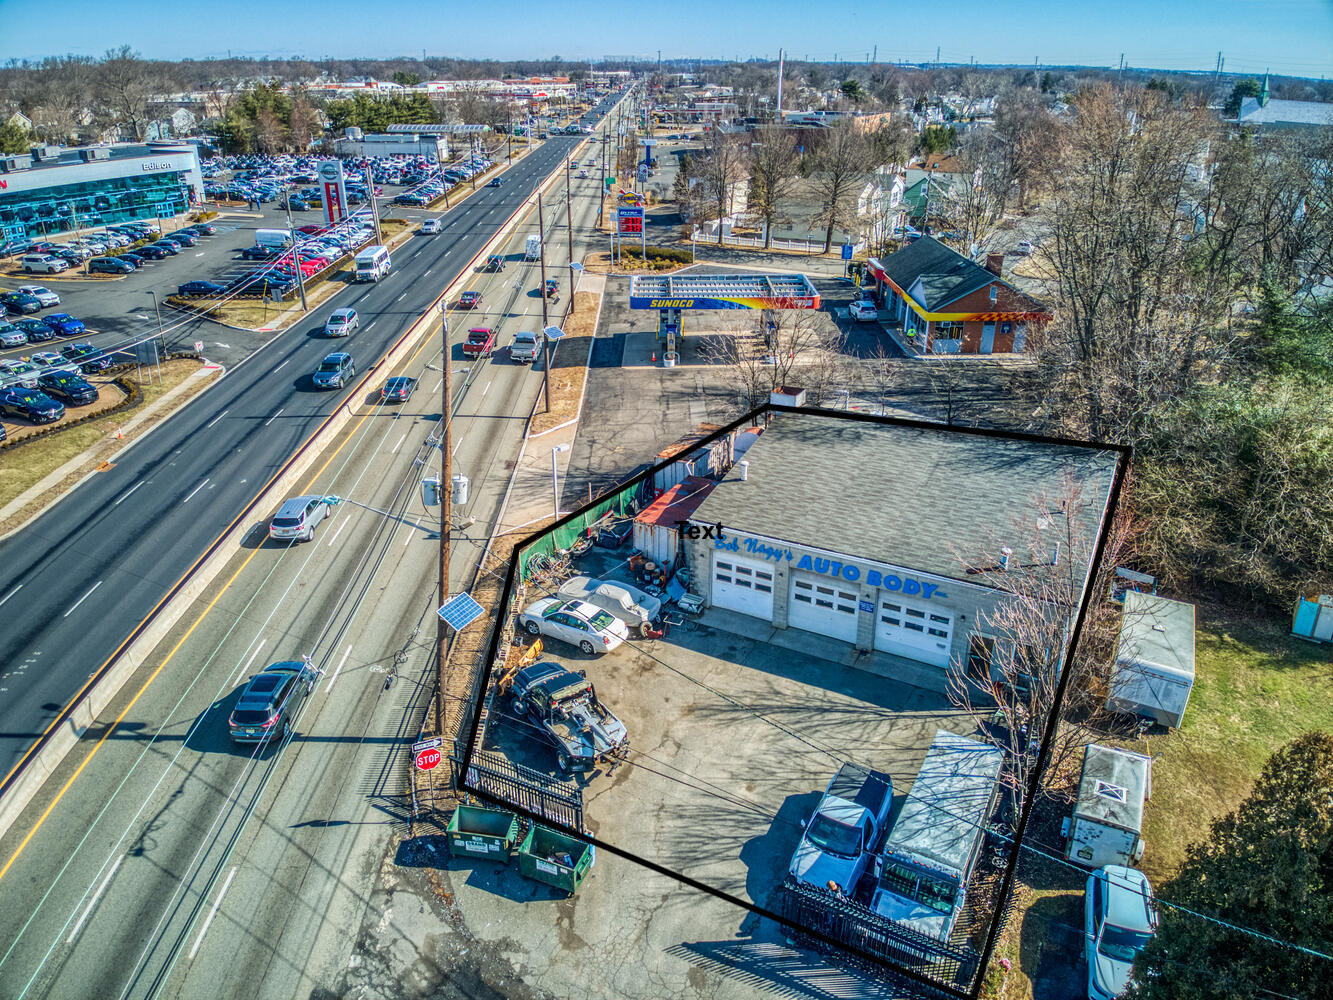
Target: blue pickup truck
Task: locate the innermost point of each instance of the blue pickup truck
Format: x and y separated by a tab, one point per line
845	831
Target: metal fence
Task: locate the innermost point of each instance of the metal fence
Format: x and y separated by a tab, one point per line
537	793
812	244
865	933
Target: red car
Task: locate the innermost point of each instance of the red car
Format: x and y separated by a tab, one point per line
480	342
469	300
311	230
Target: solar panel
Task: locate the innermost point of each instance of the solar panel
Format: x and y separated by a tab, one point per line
460	611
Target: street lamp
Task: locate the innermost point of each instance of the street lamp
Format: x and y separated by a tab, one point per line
578	269
555	482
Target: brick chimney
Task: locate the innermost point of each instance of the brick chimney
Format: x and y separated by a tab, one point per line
995	264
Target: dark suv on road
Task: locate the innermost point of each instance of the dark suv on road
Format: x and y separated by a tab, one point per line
269	702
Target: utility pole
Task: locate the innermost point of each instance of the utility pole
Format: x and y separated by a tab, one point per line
937	57
446	498
546	343
374	209
601	192
569	224
1120	72
296	254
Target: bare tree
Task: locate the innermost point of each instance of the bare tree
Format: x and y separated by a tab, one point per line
838	167
303	125
127	85
974	202
800	348
1027	136
773	165
883	374
1039	567
270	133
724	168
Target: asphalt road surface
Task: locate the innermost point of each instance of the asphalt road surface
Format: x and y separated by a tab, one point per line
77	581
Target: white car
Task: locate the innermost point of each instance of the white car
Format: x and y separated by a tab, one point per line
628	603
1025	248
11	336
42	294
863	311
432	226
576	622
341	323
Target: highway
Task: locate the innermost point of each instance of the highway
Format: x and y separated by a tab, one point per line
76	582
178	864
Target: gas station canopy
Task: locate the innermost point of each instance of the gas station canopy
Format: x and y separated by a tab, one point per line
723	291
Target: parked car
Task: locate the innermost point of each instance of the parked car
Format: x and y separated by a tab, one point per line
469	300
42	263
123	264
1119	919
341	323
204	228
151	252
42	294
840	839
36	330
16	373
87	357
480	342
563	707
11	336
67	387
864	311
200	288
576	622
398	389
18	303
631	605
64	324
31	405
270	701
260	252
334	371
167	247
1025	248
296	519
44	360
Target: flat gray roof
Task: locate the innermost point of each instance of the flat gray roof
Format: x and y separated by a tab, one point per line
919	498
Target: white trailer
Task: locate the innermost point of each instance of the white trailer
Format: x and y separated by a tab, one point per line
272	237
1154	666
1108	816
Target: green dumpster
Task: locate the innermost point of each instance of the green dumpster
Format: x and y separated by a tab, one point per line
482	833
554	858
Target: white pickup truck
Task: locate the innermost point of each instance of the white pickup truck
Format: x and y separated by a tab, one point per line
843	835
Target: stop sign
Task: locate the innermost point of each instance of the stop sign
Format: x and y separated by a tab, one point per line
428	759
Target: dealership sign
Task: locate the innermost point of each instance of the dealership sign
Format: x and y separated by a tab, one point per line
830	567
156	165
335	191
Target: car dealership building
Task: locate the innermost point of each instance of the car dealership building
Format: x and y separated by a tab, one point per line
55	190
884	535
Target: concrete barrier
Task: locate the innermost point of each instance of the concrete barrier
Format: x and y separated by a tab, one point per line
73	723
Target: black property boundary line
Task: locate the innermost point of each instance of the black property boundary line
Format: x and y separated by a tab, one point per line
753	418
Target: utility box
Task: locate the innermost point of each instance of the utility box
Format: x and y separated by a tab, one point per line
1313	618
1106	828
1154	666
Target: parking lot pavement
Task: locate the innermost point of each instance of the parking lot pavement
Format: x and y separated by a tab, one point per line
733	739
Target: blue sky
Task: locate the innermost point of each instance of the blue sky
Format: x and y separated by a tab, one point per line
1288	36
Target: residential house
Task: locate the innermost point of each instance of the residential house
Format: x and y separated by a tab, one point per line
880	205
21	120
926	191
947	304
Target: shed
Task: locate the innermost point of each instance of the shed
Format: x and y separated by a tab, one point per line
690	460
1313	618
1108	816
1154	667
657	528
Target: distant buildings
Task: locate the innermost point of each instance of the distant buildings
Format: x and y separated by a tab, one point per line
1263	112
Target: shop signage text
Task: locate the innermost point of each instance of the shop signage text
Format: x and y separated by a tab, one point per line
155	165
829	567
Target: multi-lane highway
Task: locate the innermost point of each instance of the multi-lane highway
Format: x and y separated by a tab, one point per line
167	862
77	581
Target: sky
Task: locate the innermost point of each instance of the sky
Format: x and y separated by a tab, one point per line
1290	37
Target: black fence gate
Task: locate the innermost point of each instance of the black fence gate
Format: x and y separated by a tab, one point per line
537	793
863	932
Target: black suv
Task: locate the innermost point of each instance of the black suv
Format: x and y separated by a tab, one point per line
270	700
67	387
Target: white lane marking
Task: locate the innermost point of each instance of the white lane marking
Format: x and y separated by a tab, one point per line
124	496
93	902
415	524
82	599
214	421
242	672
212	913
485	389
274	417
338	532
279	368
199	254
11	593
195	490
399	444
371	323
401	297
329	686
439	384
428	270
456	444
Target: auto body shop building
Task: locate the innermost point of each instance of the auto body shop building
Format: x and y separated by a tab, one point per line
883	535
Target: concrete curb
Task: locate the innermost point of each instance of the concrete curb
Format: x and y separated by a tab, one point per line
54	477
103	687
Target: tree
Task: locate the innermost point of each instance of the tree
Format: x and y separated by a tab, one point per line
1047	82
1267	866
838	166
270	133
406	79
974	203
302	124
1248	87
127	85
773	172
1026	134
800	348
938	138
851	89
724	168
14	138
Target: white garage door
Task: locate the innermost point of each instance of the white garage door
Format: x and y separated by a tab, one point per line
819	604
916	631
743	586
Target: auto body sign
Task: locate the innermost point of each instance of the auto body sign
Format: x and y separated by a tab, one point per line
335	191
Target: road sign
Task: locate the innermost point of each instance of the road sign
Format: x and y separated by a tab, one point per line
428	759
434	743
846	251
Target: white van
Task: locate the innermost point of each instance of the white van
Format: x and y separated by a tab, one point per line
272	237
533	249
373	263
